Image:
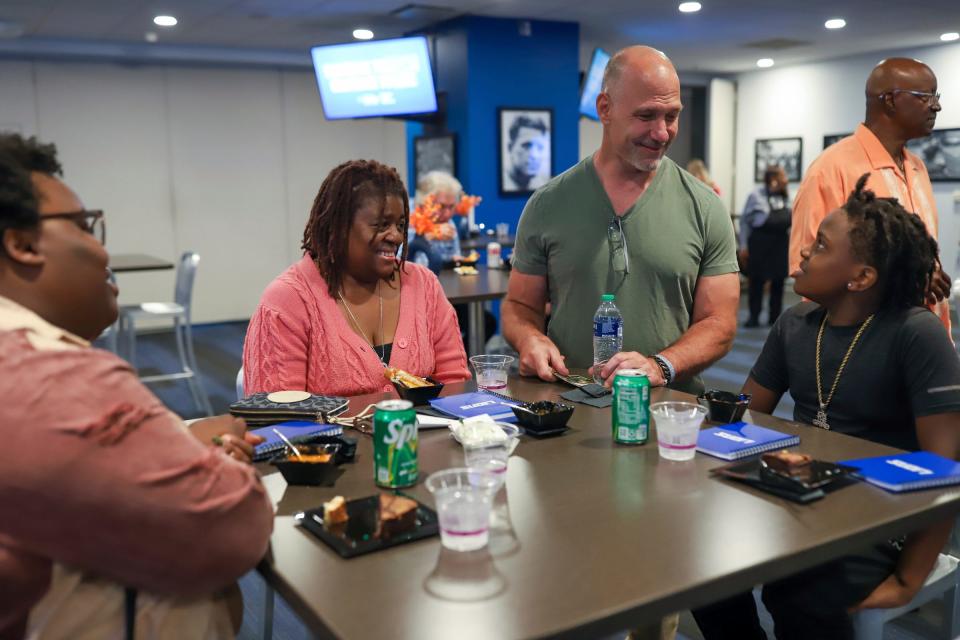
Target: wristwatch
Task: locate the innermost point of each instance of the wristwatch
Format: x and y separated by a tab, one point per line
666	368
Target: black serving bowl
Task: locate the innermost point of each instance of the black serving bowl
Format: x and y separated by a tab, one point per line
419	395
724	407
543	415
308	473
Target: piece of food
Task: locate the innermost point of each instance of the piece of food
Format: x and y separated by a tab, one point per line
335	511
787	462
397	514
407	380
313	458
466	271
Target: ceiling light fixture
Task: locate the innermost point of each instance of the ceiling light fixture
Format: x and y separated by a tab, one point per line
950	37
363	34
835	23
764	63
689	7
165	21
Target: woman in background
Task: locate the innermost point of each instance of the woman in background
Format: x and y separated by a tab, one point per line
699	170
764	243
333	321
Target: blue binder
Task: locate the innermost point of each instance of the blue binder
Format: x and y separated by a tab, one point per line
742	439
907	471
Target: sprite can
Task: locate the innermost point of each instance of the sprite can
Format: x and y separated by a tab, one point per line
395	444
631	407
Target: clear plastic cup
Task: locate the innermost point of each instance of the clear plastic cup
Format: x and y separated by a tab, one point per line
492	455
678	425
463	498
491	371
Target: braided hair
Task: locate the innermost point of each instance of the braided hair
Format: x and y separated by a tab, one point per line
326	236
893	241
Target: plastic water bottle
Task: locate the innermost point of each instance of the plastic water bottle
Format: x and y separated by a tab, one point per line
607	334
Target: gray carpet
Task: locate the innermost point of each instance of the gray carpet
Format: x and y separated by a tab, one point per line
219	349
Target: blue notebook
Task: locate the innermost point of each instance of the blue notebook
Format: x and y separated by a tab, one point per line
907	471
295	431
742	439
468	405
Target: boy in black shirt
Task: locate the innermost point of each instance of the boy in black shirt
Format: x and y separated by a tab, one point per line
866	359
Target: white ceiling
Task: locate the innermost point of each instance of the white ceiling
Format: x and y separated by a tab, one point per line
713	40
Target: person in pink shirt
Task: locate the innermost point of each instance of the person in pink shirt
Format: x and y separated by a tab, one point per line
103	489
332	322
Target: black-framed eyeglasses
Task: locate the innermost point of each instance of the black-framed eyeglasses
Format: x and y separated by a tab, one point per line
618	246
88	220
926	97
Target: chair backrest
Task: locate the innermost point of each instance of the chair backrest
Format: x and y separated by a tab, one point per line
186	272
240	393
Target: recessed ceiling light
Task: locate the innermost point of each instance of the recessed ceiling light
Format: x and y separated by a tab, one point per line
150	36
835	23
763	63
950	37
689	7
362	34
165	21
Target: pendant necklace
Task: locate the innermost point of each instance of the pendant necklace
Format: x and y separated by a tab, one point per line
821	419
383	348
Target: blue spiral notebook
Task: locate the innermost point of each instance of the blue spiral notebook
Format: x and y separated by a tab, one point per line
742	439
907	471
295	431
469	405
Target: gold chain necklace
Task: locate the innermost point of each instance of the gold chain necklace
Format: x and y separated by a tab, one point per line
821	419
353	318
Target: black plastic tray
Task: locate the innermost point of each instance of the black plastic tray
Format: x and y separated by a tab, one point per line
825	478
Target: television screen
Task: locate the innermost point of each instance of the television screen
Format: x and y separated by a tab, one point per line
377	78
592	82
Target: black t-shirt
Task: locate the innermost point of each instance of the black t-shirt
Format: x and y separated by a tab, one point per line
903	367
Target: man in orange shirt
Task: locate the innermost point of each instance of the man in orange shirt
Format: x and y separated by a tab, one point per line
902	104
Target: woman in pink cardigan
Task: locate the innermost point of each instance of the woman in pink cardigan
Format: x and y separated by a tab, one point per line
333	321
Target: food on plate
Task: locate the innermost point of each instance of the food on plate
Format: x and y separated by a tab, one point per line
405	379
784	461
311	458
397	514
335	511
466	271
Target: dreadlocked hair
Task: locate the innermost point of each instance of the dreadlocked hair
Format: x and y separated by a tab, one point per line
326	236
893	241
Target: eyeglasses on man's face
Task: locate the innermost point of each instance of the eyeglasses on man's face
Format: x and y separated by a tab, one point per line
90	221
926	97
618	246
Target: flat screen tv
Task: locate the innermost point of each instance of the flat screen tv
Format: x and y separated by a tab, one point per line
377	78
592	82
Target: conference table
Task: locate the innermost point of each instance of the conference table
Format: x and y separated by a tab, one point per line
131	262
480	243
474	290
593	537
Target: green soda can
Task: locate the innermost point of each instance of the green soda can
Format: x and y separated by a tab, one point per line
631	407
395	444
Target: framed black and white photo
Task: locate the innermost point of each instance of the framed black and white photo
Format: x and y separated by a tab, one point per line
525	144
940	151
834	137
435	153
784	152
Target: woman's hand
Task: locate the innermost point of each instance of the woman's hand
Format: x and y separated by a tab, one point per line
228	432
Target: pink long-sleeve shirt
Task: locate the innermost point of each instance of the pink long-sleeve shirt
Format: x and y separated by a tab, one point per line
299	339
98	476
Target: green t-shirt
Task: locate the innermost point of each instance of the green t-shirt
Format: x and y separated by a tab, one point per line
676	232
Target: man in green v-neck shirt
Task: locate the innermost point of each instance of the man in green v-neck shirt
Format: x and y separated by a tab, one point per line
630	222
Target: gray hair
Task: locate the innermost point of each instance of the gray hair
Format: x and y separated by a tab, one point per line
435	182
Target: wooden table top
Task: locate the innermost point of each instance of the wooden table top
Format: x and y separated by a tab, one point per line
603	536
127	262
488	284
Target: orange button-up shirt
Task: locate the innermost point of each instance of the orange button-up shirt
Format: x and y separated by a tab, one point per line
833	176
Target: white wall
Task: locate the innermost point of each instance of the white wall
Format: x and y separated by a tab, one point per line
591	135
827	98
225	162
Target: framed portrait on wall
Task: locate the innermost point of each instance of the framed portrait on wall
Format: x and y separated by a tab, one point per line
526	149
940	151
434	153
834	137
784	152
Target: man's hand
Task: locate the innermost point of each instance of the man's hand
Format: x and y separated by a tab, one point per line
540	357
631	360
230	433
940	286
889	594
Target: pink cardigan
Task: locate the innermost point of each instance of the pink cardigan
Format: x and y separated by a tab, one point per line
299	339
